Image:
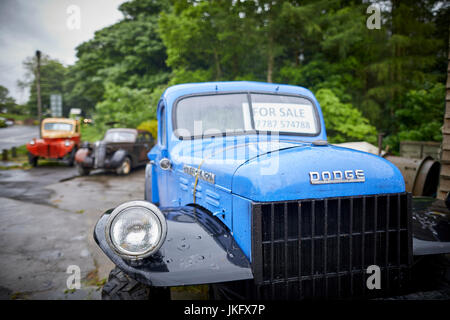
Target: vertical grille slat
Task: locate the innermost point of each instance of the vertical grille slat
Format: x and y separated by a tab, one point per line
375	213
299	215
351	246
398	233
363	226
321	248
285	213
338	247
313	216
388	205
272	235
325	232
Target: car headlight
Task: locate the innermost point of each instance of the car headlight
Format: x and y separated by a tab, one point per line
67	143
136	229
32	142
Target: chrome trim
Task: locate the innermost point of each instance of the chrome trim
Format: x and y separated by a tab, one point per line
138	203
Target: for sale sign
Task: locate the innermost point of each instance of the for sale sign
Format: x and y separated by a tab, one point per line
284	117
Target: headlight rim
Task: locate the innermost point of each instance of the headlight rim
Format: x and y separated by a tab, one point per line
153	210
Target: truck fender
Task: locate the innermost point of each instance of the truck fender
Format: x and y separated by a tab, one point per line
82	156
118	157
198	249
151	184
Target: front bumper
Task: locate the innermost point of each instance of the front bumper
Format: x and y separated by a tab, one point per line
198	250
50	150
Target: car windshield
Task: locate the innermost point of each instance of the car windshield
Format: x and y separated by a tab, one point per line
231	113
58	126
119	136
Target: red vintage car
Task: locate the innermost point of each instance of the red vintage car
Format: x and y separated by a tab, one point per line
60	140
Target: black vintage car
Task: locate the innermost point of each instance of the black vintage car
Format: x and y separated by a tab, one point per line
120	150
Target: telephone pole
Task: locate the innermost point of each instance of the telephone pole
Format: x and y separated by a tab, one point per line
38	86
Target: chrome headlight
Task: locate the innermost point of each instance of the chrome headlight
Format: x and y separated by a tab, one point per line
32	142
136	229
67	143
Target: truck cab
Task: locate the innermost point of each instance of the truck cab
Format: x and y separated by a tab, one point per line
250	193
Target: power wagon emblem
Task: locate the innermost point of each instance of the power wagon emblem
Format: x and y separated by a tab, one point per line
203	175
337	176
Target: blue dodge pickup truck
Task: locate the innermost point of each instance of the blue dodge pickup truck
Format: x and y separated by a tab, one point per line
243	192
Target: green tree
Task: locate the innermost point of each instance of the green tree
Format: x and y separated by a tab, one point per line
53	74
421	116
7	103
322	45
406	58
124	107
204	41
344	122
129	53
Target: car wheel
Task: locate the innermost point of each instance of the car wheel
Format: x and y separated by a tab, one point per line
32	159
125	167
82	171
122	287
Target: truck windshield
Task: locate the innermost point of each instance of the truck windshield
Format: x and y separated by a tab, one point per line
119	136
58	126
231	113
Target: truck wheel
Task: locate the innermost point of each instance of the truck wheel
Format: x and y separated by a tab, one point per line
82	171
32	159
125	167
71	158
121	287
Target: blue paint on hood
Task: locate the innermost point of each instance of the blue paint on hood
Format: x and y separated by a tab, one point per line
284	175
279	170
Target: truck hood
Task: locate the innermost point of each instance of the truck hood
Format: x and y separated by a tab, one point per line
286	175
222	158
280	170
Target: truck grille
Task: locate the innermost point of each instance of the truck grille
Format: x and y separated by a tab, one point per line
99	155
321	248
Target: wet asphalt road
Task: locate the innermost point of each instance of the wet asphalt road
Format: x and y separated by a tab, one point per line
17	136
47	216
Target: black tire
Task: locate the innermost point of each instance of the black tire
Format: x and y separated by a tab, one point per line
82	171
71	157
32	159
125	167
122	287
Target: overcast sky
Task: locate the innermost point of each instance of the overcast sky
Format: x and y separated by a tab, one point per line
46	25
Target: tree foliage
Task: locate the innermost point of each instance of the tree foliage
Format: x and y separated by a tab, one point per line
52	75
344	122
389	78
7	103
124	107
129	54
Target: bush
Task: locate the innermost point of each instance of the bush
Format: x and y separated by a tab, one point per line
91	133
150	126
124	106
344	123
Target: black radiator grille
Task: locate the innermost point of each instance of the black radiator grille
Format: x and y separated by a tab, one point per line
322	247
